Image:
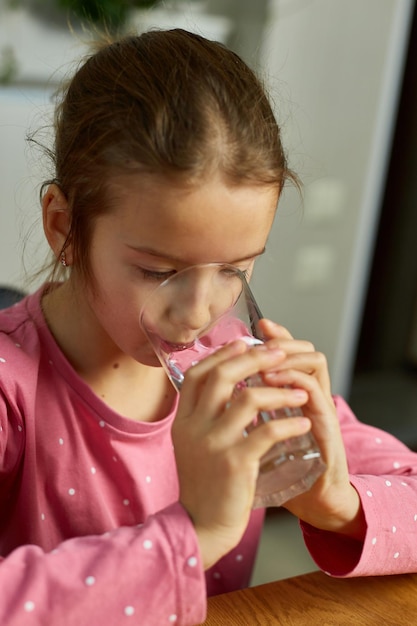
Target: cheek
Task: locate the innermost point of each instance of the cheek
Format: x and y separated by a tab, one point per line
118	304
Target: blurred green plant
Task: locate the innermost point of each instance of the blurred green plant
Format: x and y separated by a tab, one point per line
8	65
109	13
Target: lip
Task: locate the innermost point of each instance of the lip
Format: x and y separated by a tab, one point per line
168	346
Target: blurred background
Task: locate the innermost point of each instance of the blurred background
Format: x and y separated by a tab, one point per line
341	264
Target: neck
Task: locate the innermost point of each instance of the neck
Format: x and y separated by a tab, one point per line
119	380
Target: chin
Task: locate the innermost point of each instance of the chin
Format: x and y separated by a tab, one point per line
151	360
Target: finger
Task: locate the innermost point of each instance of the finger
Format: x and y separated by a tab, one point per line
312	363
321	409
249	403
220	382
315	366
262	438
291	346
288	344
319	397
210	383
195	376
271	329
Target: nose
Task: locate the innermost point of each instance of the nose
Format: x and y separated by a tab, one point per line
193	309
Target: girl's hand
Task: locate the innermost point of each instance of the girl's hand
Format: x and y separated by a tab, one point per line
217	465
332	503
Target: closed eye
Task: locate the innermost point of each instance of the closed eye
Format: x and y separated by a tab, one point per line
155	274
232	271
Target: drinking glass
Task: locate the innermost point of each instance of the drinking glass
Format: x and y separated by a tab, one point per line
197	311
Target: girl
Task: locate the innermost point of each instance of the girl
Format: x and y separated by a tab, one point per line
167	155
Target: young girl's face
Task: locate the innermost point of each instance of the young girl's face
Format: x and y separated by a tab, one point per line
157	229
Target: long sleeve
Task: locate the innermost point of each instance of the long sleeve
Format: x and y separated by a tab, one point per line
384	473
91	531
151	574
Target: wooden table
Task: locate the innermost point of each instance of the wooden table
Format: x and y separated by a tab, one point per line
318	600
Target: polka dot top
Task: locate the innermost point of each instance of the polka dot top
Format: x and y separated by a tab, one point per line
384	473
91	530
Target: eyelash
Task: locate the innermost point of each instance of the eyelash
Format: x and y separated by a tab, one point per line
161	276
231	272
155	275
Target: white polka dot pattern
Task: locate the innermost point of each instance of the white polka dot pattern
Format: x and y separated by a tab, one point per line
129	611
105	468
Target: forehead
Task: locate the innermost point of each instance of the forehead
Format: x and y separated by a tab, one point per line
205	222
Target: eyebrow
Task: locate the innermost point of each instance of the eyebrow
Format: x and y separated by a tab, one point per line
157	253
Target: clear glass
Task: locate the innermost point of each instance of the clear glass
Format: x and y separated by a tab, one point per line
197	311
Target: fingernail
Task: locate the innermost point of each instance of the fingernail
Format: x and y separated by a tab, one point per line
304	423
276	352
252	341
300	393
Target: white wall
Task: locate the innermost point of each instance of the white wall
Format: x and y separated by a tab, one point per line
334	69
20	174
43	55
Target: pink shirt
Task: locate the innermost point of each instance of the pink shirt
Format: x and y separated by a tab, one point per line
91	530
384	472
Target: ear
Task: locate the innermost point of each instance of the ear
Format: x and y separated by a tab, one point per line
57	221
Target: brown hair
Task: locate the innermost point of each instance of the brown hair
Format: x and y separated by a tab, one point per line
166	102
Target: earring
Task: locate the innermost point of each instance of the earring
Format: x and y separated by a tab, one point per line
63	260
